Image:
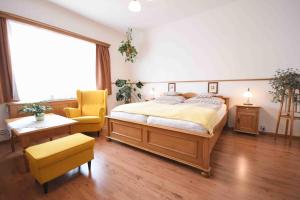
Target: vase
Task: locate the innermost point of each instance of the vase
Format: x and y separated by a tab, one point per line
39	116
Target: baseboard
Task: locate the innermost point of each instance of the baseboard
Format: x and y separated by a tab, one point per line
279	134
267	133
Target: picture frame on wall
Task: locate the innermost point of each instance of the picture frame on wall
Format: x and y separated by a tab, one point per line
213	87
171	87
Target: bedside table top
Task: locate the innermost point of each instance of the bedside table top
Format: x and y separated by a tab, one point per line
248	106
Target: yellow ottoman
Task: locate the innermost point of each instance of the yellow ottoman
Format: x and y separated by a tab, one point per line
52	159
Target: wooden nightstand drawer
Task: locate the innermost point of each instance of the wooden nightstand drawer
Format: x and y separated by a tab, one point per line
247	118
247	109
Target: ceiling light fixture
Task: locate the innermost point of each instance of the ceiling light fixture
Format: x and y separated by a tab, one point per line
134	6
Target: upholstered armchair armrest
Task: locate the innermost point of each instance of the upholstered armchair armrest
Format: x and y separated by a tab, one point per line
102	112
72	112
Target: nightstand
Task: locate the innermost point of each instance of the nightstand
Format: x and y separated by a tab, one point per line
246	119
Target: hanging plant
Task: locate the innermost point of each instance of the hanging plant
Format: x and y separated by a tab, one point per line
127	89
127	48
283	81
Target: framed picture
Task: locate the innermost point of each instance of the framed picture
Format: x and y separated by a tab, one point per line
213	87
171	87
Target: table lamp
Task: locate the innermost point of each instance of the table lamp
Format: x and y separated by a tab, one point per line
248	95
152	93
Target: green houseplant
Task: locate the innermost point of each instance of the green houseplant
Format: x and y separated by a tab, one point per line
37	109
283	81
127	48
127	89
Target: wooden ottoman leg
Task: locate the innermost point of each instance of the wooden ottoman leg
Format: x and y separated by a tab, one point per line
89	165
45	186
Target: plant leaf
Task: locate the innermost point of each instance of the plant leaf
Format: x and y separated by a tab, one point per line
120	82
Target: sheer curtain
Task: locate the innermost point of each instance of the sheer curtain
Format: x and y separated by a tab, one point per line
49	65
6	76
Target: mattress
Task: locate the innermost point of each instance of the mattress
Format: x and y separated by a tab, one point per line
174	123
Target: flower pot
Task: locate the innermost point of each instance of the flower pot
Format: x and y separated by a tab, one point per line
39	116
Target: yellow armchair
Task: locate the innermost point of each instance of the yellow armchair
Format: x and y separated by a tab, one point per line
90	112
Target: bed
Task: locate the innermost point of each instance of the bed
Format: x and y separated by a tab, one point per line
185	142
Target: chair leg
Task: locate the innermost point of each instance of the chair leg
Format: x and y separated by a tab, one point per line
89	165
98	133
45	186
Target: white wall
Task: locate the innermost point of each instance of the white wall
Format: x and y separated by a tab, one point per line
54	15
243	39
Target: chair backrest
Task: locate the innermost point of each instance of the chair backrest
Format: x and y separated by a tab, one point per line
90	101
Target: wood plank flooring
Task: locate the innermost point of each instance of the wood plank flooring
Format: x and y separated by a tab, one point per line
245	167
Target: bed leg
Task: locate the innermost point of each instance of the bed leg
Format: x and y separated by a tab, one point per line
206	174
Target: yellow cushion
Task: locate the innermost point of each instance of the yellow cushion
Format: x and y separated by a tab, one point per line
88	119
60	149
91	102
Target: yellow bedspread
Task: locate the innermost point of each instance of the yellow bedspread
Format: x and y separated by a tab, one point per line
207	117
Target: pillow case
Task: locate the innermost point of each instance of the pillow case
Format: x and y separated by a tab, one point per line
170	99
172	94
205	100
205	95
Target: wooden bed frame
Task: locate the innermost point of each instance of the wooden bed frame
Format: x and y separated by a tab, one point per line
190	148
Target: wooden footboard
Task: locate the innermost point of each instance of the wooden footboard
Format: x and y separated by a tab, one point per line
190	148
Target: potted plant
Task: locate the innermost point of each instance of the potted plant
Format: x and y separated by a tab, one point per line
37	109
127	89
127	48
285	80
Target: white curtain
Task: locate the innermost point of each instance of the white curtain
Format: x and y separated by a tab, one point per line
48	65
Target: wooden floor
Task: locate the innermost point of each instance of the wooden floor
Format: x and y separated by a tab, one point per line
245	167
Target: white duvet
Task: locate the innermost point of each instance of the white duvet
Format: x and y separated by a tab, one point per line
179	124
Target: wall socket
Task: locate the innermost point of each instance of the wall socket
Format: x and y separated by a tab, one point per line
262	128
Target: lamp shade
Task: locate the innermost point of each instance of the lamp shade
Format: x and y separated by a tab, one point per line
248	94
134	6
152	91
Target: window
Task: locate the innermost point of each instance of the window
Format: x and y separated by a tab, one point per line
49	65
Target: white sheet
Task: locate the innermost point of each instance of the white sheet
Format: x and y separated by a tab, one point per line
129	116
180	124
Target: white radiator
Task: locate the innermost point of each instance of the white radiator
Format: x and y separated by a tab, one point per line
4	134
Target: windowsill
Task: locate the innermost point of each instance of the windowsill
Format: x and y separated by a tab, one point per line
45	101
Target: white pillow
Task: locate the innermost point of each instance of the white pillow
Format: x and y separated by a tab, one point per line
177	98
172	94
211	100
205	95
170	102
170	99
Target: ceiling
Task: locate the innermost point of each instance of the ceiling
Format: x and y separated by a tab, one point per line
115	13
